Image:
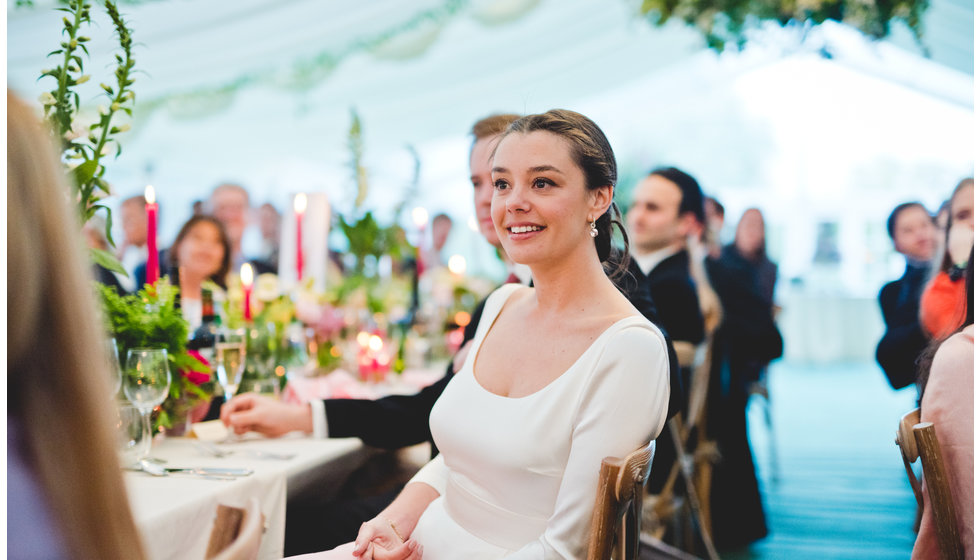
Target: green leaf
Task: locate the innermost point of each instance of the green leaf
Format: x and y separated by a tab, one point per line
106	260
84	173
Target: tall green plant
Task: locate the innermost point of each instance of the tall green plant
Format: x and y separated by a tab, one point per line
83	148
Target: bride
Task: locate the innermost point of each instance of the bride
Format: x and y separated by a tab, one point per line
559	376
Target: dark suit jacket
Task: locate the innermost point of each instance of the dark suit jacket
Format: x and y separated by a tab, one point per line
675	297
402	420
904	340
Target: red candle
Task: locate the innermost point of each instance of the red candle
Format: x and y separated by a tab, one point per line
247	288
152	257
299	205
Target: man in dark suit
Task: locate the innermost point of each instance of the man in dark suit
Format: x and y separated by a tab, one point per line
399	420
667	207
914	235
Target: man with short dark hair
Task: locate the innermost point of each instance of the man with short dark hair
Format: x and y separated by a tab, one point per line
667	207
912	231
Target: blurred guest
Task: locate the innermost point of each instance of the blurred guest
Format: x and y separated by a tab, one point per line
201	252
942	305
913	233
714	214
65	492
94	233
229	203
946	385
667	208
745	342
270	225
442	226
132	251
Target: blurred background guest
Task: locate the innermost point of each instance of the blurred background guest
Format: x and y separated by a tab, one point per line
132	250
65	491
270	224
914	235
229	203
745	342
201	252
94	233
942	306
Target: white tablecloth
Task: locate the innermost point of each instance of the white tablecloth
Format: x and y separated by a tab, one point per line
175	514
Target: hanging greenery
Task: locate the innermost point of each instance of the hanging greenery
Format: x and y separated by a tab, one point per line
83	146
725	21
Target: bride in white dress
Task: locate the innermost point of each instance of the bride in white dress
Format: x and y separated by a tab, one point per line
559	376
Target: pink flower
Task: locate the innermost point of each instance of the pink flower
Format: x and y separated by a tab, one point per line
198	377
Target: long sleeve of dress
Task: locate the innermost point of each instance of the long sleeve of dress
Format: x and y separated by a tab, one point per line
948	404
621	408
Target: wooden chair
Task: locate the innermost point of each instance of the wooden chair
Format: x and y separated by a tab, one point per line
695	458
237	533
619	498
917	440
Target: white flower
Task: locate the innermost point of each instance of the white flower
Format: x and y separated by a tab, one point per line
47	99
123	127
267	287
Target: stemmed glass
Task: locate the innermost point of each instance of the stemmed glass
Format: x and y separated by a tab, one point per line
146	382
230	353
115	374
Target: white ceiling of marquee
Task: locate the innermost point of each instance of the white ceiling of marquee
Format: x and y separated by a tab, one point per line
260	92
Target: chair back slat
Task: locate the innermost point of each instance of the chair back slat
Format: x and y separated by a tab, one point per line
620	488
940	495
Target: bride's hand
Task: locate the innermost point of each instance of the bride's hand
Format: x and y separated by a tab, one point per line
379	540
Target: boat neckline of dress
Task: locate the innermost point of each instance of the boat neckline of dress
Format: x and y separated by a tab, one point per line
471	359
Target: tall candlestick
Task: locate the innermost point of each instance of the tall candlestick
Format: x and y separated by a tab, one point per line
247	288
299	205
152	257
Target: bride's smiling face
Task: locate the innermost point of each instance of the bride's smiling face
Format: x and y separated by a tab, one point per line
541	208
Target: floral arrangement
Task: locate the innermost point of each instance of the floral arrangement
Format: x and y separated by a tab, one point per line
149	318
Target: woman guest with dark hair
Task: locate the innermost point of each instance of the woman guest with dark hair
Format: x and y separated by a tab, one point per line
946	385
65	491
745	342
943	301
200	253
559	376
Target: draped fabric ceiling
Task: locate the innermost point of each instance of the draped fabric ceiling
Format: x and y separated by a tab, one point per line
261	93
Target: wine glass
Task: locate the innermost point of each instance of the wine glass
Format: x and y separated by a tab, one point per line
230	353
146	382
115	372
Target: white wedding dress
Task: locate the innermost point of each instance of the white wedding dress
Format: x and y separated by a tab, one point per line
517	477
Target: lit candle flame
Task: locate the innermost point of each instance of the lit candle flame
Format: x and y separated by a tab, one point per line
375	343
420	216
150	195
299	203
247	275
457	264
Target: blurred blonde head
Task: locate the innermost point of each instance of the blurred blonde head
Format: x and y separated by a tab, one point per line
57	394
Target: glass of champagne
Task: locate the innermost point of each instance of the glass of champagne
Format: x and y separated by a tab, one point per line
229	351
146	382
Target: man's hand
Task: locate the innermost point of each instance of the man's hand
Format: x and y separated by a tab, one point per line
269	417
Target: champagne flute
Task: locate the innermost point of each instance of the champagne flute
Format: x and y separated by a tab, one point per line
146	382
230	354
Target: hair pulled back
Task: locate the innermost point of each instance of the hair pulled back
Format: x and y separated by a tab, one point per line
590	150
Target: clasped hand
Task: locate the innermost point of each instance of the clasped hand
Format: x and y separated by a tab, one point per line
269	417
378	540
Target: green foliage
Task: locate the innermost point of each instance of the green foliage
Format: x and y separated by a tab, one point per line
149	319
83	149
722	21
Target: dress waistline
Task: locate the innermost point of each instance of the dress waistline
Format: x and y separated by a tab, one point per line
493	524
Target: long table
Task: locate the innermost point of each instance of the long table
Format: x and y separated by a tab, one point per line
175	513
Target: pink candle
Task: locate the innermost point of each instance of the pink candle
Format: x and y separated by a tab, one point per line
152	257
247	288
299	205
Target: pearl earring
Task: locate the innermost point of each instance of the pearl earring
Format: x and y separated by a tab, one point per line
592	230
